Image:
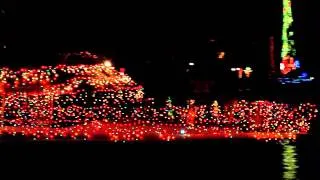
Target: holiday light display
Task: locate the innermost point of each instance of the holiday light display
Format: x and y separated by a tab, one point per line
247	71
287	31
288	64
66	93
84	101
288	52
304	77
289	60
215	108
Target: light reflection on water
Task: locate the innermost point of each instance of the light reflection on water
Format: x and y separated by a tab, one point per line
289	161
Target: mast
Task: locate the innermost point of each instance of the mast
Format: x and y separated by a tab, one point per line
271	55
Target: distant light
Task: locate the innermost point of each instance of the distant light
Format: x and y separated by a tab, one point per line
247	71
182	131
297	64
233	69
240	72
311	78
4	46
238	69
192	101
221	55
107	63
191	63
122	70
304	74
282	66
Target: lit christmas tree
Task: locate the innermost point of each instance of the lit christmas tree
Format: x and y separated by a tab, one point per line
170	112
169	109
215	109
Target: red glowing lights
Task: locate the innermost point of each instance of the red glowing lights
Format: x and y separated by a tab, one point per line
84	101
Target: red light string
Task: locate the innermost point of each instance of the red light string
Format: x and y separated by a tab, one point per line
85	101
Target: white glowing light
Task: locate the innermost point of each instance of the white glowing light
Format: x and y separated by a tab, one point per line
191	64
282	66
247	71
182	131
233	69
107	63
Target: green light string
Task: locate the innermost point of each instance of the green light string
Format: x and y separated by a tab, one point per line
287	33
289	161
170	110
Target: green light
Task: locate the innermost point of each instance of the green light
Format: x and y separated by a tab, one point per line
289	161
287	43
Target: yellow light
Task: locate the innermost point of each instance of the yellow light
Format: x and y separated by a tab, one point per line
107	63
221	55
247	71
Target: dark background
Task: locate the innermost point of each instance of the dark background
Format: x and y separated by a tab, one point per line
138	32
155	41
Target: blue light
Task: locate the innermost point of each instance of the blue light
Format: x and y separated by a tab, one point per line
297	64
304	75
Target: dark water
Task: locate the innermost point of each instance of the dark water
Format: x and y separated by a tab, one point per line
209	159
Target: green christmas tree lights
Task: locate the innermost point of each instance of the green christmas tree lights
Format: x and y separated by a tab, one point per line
287	32
170	109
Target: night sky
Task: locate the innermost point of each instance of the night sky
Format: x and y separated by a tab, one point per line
137	29
135	34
